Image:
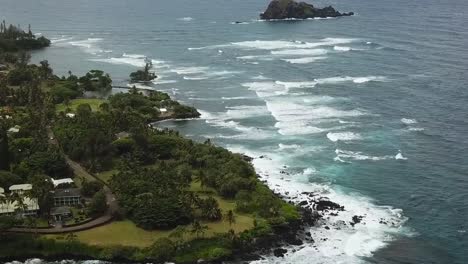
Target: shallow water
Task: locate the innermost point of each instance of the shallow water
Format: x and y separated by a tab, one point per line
369	110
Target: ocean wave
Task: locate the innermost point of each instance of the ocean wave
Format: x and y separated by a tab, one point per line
342	48
88	45
343	136
295	52
185	19
237	98
265	89
286	146
304	60
358	80
246	111
269	88
60	39
159	81
136	60
408	121
357	155
290	85
400	156
285	44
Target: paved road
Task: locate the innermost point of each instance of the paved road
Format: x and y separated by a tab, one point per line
113	206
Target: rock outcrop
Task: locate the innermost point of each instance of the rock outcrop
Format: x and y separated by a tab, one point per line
284	9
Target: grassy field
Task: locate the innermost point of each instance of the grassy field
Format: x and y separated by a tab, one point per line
105	175
73	104
128	234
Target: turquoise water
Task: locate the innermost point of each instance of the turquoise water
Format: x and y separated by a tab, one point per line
369	110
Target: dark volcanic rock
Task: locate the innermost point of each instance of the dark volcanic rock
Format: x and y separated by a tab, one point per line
283	9
279	252
327	205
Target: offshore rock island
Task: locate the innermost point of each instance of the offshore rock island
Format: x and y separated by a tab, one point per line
289	9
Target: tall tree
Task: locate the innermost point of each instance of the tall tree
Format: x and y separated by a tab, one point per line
42	187
4	154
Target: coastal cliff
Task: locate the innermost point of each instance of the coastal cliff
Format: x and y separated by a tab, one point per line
284	9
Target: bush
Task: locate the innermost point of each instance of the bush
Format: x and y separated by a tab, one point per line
162	250
91	188
98	204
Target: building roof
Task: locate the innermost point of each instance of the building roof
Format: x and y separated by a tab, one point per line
67	192
163	109
21	187
122	135
62	181
71	115
14	129
62	210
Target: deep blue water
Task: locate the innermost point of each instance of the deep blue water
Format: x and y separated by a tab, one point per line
368	110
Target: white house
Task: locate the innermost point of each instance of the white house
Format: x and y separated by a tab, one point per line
70	115
163	110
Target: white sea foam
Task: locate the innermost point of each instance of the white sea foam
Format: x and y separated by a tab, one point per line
159	81
246	111
285	44
295	118
190	70
304	60
286	146
408	121
265	89
400	156
88	45
356	155
342	242
140	86
290	85
295	52
185	19
343	136
416	129
237	97
336	80
60	39
136	60
342	48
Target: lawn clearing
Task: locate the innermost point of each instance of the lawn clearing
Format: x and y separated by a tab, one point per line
126	233
73	104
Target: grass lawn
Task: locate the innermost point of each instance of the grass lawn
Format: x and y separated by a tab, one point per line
126	233
94	103
106	175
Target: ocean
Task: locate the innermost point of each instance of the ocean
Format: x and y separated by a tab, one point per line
370	111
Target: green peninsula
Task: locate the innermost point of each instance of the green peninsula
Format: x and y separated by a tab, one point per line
91	178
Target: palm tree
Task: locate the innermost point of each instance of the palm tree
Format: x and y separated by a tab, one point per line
198	229
202	178
210	209
178	235
230	217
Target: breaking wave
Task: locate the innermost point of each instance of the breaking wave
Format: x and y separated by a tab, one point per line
343	136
